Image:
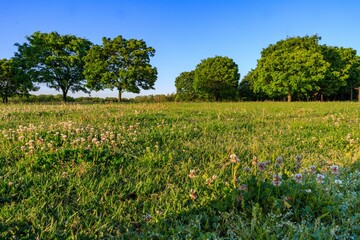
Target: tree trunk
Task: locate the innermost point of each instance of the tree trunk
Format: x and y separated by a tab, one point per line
359	94
119	94
64	96
289	97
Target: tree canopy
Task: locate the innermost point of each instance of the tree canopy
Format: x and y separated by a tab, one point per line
121	64
343	71
216	78
301	68
56	60
184	86
12	80
291	67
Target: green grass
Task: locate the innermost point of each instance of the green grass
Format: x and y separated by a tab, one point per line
164	171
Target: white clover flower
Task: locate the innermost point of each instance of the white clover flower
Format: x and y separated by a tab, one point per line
334	169
193	194
320	178
234	158
308	190
262	166
338	182
279	160
192	173
313	169
298	177
277	180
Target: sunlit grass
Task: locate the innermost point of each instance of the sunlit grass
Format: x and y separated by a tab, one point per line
188	170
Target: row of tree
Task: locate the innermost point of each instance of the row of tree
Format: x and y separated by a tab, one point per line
295	68
70	63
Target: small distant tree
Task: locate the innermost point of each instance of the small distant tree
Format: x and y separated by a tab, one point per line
121	64
184	84
12	80
217	79
56	60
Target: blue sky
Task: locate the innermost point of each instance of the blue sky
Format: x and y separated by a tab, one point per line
183	32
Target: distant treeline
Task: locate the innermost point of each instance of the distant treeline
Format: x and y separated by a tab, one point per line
58	98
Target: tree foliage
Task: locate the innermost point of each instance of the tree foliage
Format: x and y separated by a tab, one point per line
56	60
184	86
217	79
343	71
12	80
291	67
246	88
121	64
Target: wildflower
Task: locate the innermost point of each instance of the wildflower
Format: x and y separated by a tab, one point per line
298	177
246	169
243	187
313	169
262	166
209	181
22	148
147	217
320	178
308	190
214	177
277	180
64	174
334	169
193	194
10	184
254	161
338	182
192	173
234	158
279	161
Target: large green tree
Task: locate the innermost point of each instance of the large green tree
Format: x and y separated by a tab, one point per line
121	64
343	72
291	67
12	80
56	60
217	79
184	86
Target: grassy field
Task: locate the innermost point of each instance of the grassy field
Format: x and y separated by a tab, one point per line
180	171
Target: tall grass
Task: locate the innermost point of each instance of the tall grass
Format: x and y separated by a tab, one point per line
183	171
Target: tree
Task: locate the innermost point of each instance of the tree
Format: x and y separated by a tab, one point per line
184	86
12	81
217	78
291	67
343	74
246	88
56	60
121	64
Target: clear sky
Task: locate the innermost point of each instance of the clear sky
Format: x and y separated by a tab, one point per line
183	32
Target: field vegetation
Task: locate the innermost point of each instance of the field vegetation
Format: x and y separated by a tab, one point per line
180	171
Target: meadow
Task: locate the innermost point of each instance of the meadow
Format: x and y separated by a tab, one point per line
180	171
